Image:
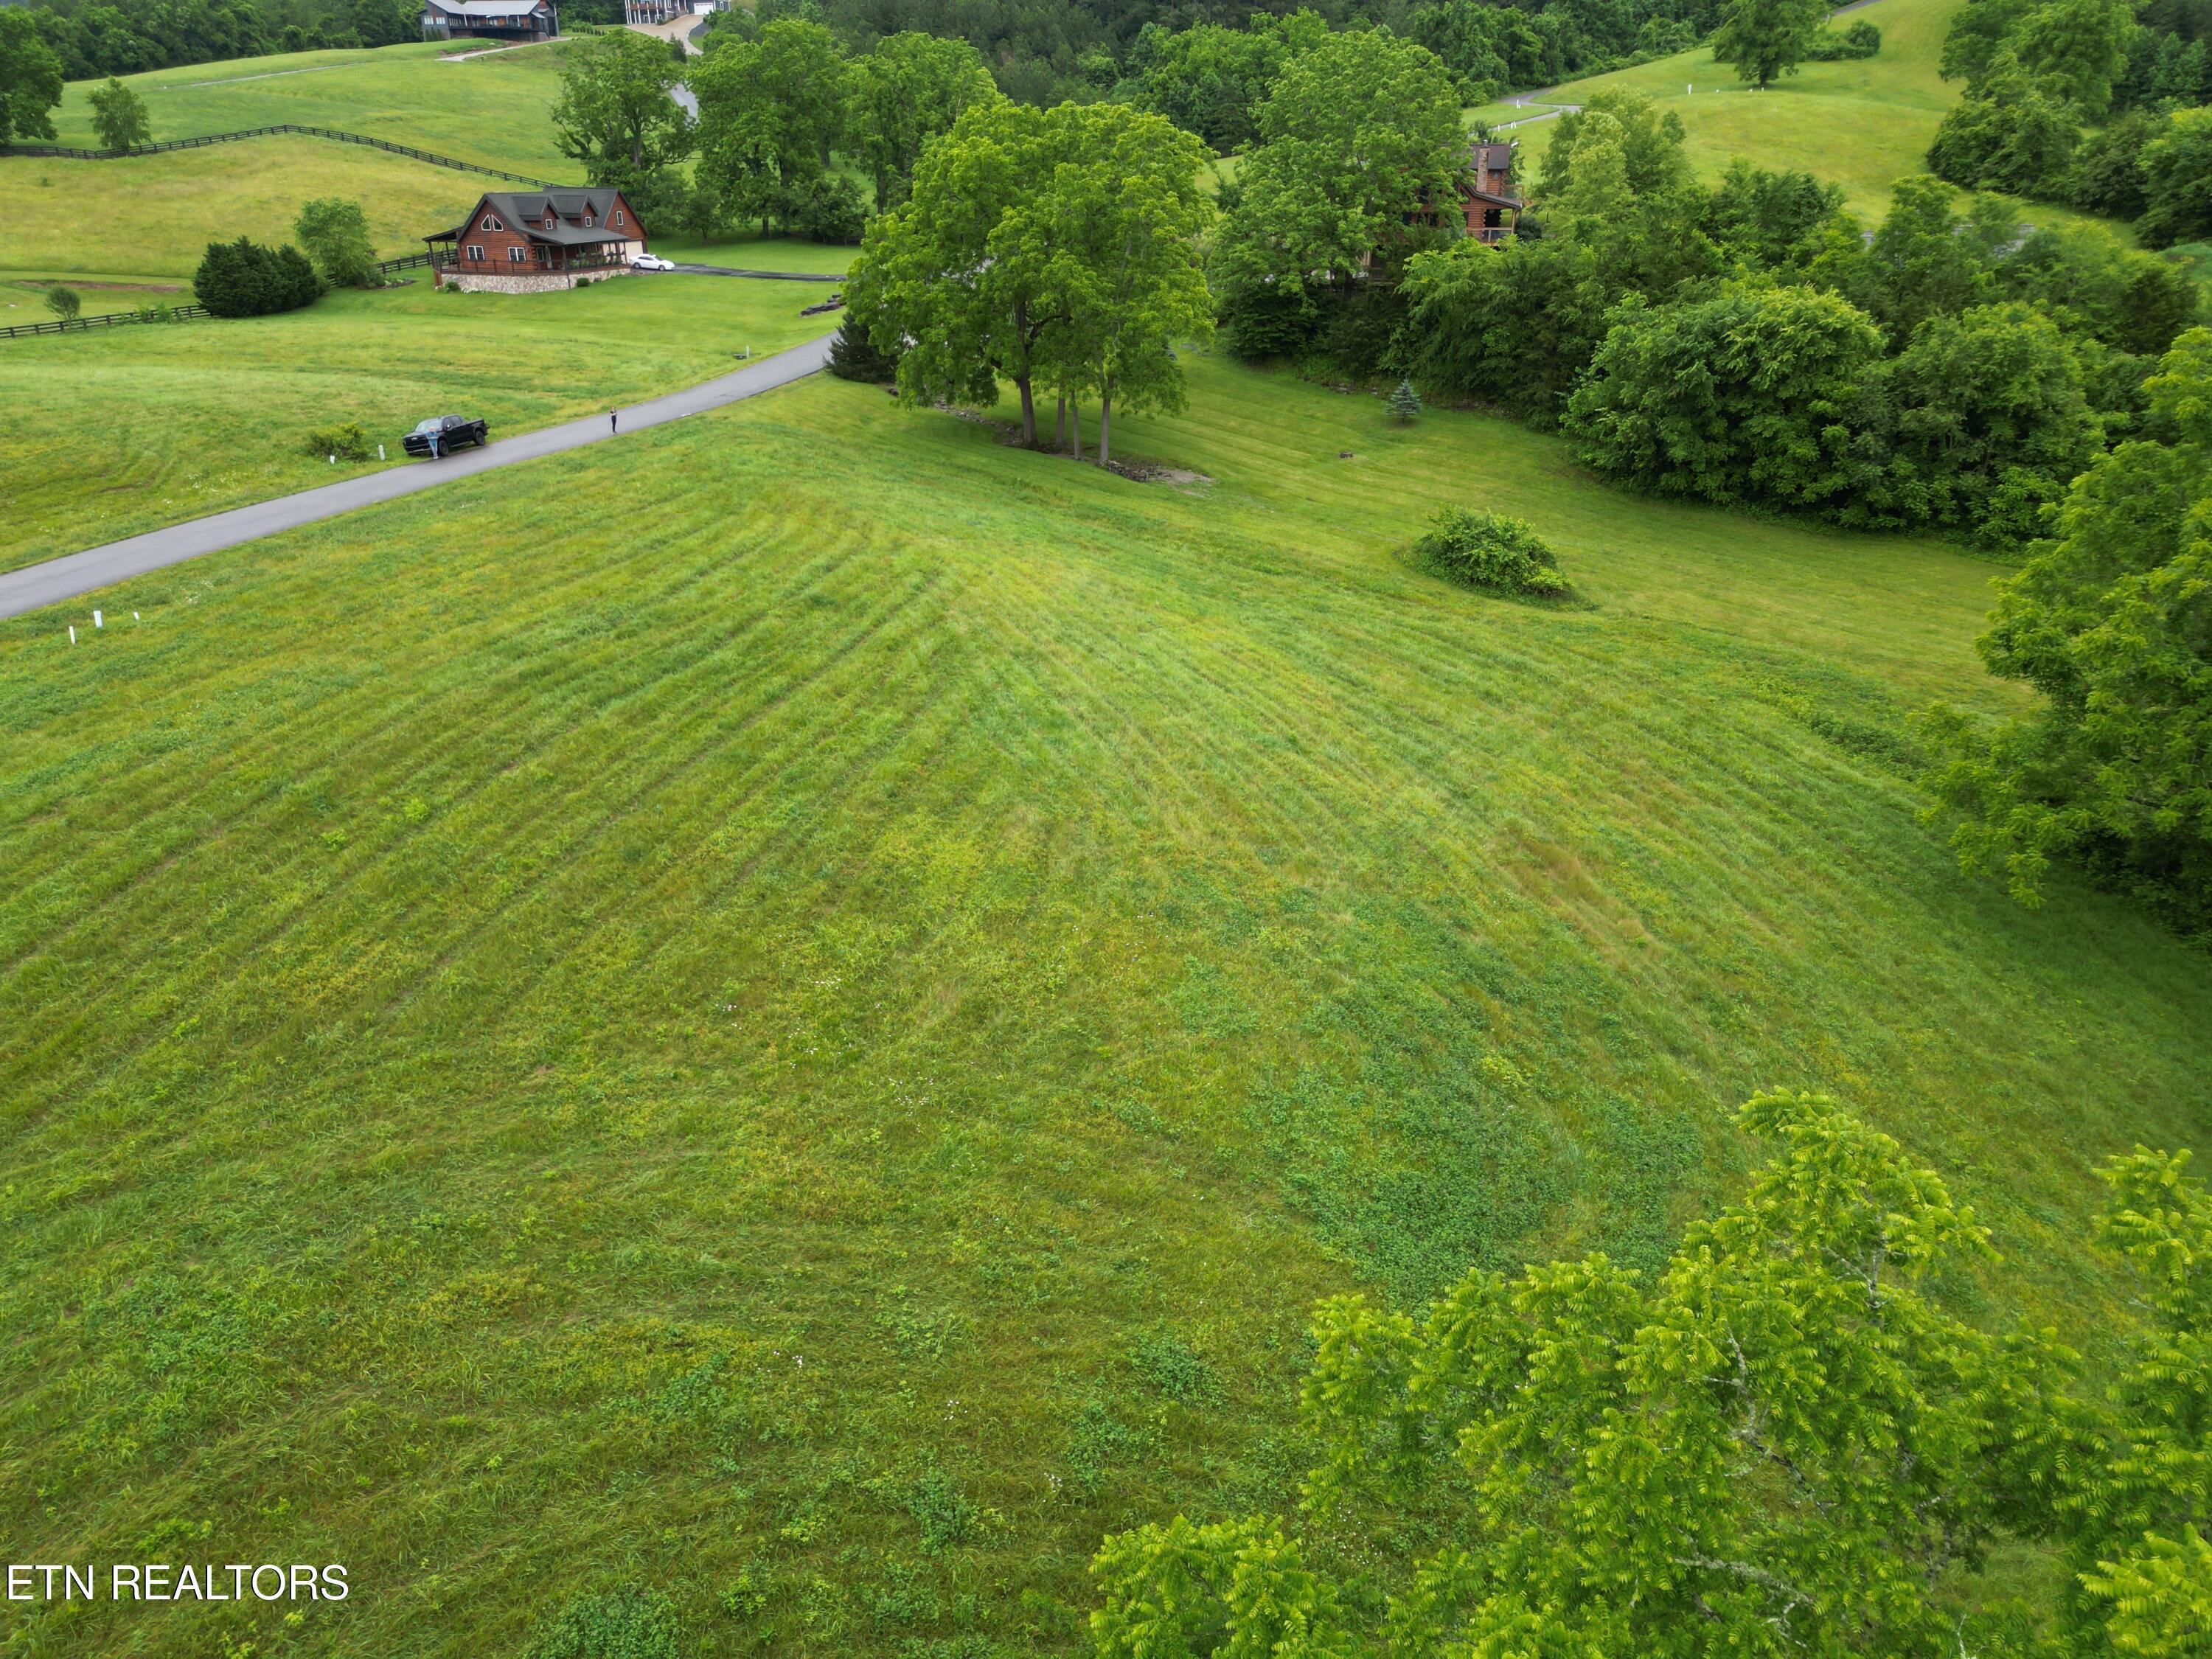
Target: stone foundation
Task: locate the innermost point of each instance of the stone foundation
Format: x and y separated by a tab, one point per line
526	281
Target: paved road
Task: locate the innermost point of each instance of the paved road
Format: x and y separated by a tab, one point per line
771	276
78	574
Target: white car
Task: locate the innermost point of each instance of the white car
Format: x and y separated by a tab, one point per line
650	262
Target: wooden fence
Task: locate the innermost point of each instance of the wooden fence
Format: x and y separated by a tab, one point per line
171	313
66	154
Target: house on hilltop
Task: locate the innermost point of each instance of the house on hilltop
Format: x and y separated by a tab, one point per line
528	241
515	21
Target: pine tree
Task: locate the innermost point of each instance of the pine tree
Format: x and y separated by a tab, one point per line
1405	402
853	356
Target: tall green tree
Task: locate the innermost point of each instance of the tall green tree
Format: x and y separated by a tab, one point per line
615	116
30	78
118	115
910	89
1765	40
1359	135
2110	621
1055	249
2177	175
772	112
334	231
1746	396
1114	238
2074	49
1785	1445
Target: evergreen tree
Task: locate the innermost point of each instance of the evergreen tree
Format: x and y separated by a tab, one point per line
1404	403
854	356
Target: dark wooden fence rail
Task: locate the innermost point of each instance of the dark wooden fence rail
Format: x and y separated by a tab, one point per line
171	314
107	319
260	132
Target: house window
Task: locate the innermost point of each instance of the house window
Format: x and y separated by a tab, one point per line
548	221
618	215
491	224
587	222
476	250
515	256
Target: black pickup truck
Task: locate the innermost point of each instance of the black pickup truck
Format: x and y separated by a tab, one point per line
442	435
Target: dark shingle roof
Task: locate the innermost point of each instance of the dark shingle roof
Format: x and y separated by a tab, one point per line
525	211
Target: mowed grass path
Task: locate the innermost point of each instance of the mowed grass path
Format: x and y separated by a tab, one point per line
795	1008
495	110
146	426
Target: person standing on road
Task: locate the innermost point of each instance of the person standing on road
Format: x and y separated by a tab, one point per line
611	425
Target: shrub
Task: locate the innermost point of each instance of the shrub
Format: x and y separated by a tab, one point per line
64	302
244	279
348	442
853	356
1491	551
631	1623
1861	40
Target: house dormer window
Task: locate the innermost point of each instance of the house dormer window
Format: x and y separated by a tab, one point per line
587	222
548	221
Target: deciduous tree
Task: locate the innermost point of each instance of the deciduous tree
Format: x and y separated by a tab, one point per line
908	90
335	233
30	78
1785	1445
1765	40
615	116
771	113
118	115
1359	136
2111	622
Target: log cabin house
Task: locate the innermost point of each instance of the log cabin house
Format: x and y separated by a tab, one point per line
1487	197
528	241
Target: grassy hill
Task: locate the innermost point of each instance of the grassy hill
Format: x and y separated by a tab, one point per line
1862	125
490	109
794	1008
151	218
146	426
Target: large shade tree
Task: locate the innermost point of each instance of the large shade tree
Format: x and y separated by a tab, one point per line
1765	40
772	112
30	78
910	89
1787	1445
1055	249
2110	621
1360	140
615	116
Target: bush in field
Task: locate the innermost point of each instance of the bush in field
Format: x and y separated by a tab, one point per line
348	442
244	279
1490	550
64	302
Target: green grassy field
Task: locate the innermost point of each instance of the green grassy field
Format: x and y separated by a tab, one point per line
491	110
144	426
794	1008
1862	125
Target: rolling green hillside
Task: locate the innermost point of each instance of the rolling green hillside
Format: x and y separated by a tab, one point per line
151	218
145	426
793	1008
491	109
1863	124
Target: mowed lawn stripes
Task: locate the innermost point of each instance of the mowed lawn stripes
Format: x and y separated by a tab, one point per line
700	1009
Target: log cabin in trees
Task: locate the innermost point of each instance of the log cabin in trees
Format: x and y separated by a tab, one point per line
526	241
